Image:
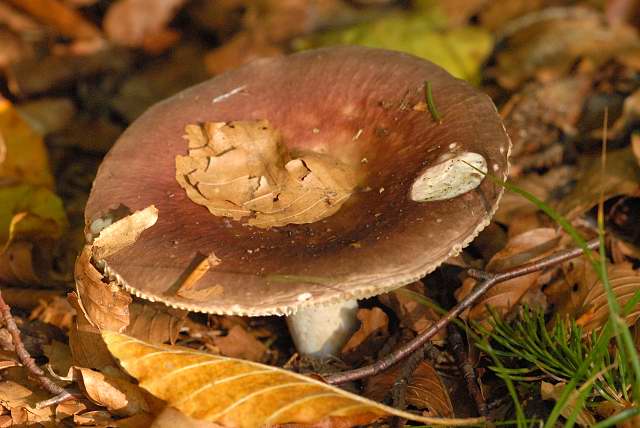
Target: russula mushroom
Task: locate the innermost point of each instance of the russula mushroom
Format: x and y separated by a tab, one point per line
297	185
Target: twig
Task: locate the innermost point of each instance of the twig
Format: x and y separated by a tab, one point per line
458	347
422	338
23	354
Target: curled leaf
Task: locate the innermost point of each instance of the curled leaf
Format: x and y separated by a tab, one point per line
237	393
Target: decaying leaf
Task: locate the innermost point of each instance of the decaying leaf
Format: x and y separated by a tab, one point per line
241	169
621	177
550	46
172	418
30	213
238	343
370	336
142	23
19	397
105	305
553	392
237	393
581	295
412	314
425	389
64	19
57	312
536	116
87	347
59	355
154	322
123	232
503	297
119	396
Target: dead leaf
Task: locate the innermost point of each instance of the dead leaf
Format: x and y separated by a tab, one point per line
142	23
536	116
244	47
503	297
23	156
513	206
69	408
99	418
241	393
172	418
59	356
550	391
123	232
105	305
275	190
594	309
411	313
87	347
425	389
62	18
548	47
238	343
57	312
621	177
119	396
154	322
370	336
34	76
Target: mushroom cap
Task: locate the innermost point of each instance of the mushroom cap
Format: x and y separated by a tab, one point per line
350	102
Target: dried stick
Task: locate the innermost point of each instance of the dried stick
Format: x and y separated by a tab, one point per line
489	280
23	354
458	347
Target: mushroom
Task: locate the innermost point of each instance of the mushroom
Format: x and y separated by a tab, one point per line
297	185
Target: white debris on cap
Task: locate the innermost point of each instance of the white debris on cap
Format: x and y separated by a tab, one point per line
450	178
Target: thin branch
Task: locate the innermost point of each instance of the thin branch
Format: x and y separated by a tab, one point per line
23	354
410	347
454	337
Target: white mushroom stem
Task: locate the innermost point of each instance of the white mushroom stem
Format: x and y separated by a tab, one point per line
322	331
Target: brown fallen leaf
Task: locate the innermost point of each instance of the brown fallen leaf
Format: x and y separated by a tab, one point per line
411	313
142	23
238	343
425	389
119	396
87	347
536	116
370	336
172	418
503	297
106	306
594	310
154	322
62	18
57	312
550	391
59	355
549	46
69	408
95	418
237	393
621	177
36	75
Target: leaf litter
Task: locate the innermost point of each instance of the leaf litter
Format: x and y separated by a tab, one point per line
70	68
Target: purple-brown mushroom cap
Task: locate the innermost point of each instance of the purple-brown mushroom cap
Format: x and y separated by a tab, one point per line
365	107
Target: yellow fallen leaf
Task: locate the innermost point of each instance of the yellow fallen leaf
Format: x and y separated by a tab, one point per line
30	213
23	156
238	393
